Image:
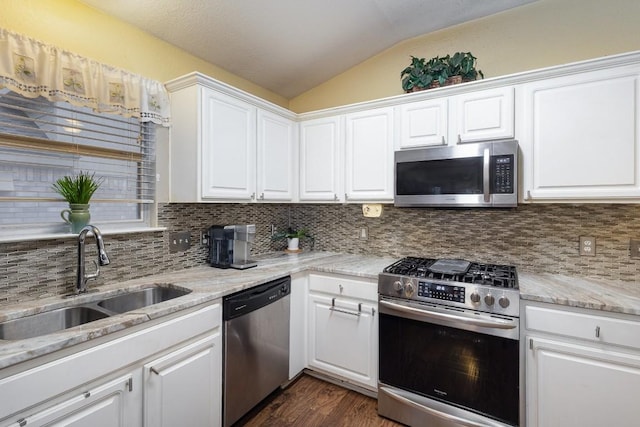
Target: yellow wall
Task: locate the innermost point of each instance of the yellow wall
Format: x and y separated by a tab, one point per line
78	28
541	34
545	33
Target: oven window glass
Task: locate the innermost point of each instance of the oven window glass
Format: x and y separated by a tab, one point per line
448	176
473	371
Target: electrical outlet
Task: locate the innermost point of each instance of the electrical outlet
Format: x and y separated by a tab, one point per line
364	233
587	246
180	241
634	249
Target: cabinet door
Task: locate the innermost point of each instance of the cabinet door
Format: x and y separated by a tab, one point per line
343	339
581	139
114	403
228	147
320	159
276	157
369	156
423	123
571	385
482	115
185	386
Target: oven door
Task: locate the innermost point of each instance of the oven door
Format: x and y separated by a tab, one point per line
447	367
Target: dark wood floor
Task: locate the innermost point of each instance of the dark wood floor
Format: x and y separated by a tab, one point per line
313	402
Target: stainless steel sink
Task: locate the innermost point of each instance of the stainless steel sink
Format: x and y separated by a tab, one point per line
48	322
142	298
68	317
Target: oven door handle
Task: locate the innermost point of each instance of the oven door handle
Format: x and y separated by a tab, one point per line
448	317
449	417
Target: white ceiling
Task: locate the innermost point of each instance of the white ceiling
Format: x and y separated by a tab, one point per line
290	46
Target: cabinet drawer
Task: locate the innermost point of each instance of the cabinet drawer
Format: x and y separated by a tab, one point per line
595	328
336	285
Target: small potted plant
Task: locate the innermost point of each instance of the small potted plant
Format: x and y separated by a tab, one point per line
423	74
461	67
293	237
77	190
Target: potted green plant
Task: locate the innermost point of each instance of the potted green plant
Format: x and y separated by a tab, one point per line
423	74
462	64
77	190
293	237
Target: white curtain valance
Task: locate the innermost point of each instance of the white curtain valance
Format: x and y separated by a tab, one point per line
33	69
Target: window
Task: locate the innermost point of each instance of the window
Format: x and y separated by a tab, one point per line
41	141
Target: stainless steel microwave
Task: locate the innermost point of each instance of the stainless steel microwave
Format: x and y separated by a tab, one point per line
482	174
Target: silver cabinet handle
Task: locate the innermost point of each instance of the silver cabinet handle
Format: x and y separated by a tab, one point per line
335	196
153	370
597	331
339	310
253	196
261	196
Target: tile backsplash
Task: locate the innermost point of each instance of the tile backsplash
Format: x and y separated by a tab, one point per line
535	238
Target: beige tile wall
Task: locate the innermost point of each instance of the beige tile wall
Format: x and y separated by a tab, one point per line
534	238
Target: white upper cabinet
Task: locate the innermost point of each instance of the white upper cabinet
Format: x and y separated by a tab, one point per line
580	139
467	117
369	155
482	115
423	123
276	157
228	148
321	144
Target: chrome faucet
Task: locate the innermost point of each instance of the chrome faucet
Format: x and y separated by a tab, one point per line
103	259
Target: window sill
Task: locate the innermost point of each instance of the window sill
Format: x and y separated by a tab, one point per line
8	238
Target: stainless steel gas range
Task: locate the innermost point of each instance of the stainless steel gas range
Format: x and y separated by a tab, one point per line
448	337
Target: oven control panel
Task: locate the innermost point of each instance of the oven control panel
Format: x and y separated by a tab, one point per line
440	291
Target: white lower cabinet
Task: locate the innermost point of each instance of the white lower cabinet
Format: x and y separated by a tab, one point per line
177	389
582	368
166	373
108	404
343	329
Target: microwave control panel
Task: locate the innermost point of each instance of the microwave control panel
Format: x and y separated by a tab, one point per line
502	171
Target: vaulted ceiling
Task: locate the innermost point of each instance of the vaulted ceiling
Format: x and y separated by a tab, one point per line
291	46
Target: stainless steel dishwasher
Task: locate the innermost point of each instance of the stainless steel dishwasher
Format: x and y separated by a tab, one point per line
256	346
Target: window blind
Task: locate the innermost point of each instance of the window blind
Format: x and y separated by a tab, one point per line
41	141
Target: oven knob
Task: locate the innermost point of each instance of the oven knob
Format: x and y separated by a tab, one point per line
475	297
489	299
398	287
409	289
504	302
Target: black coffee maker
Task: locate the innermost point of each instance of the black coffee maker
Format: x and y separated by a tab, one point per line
220	246
230	246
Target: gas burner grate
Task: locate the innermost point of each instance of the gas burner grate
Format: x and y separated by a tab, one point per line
502	276
410	266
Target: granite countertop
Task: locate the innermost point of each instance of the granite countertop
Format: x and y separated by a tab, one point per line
596	294
208	284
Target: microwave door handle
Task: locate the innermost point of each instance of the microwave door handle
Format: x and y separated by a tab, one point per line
485	176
